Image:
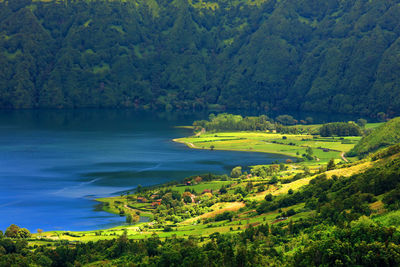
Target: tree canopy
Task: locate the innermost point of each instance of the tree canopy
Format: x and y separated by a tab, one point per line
332	56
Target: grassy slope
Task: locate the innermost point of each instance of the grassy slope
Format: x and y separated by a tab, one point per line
385	135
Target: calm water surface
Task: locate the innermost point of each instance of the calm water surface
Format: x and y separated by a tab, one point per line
54	163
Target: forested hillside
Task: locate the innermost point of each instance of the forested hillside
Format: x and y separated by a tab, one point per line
333	55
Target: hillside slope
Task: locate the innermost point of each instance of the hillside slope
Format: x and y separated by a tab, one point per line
338	56
385	135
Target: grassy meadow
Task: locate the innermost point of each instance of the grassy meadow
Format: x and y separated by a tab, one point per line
291	145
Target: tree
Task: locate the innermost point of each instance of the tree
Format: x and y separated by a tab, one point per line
24	233
261	188
139	188
273	180
40	232
309	153
198	179
331	165
282	166
129	218
236	172
286	119
361	122
187	197
249	186
223	190
12	231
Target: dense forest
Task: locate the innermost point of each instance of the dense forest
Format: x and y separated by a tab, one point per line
335	56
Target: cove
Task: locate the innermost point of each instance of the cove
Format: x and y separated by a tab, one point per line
54	163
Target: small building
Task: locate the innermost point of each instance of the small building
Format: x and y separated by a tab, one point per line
156	203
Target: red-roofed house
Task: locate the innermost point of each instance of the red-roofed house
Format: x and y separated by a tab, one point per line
207	191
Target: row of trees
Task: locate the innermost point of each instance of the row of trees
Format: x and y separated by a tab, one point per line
340	129
361	243
282	124
230	122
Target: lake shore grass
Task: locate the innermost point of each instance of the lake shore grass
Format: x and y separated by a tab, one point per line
291	145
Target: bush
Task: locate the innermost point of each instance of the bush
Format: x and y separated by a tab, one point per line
167	228
268	197
227	215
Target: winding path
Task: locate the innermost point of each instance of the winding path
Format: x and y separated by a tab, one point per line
343	157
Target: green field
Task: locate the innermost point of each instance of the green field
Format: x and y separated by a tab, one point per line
291	145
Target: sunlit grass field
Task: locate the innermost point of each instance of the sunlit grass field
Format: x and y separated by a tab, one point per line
291	145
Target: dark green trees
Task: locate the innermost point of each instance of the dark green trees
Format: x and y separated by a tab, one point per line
340	129
331	165
14	231
299	55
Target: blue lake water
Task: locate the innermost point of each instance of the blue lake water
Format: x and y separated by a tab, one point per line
53	164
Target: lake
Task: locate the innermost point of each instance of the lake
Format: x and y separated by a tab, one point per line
54	163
